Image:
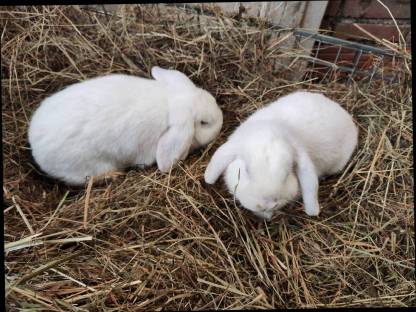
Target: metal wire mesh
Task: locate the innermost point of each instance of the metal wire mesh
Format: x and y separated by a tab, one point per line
362	61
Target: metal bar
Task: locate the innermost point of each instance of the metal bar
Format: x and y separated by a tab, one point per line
314	58
342	42
357	59
318	48
338	54
333	72
374	71
343	68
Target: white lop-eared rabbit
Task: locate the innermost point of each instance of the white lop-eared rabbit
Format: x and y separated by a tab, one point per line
116	121
284	147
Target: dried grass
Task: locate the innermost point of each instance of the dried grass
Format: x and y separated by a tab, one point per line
149	241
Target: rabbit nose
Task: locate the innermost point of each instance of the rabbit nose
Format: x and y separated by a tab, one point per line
269	205
265	206
194	145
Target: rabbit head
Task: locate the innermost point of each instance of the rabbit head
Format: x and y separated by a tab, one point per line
194	118
259	171
207	118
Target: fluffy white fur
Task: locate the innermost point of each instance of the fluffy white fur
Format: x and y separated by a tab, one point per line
283	149
116	121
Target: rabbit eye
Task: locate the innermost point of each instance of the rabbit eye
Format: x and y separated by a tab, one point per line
204	123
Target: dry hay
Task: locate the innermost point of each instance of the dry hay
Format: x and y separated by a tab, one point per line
167	241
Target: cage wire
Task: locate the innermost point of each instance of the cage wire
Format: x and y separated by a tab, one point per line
368	62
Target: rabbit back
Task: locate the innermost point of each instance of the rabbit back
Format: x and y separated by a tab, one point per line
326	129
98	125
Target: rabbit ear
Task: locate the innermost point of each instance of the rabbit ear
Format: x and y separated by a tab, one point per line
222	157
174	144
308	180
172	78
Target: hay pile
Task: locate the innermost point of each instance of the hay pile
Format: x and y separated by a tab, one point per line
156	241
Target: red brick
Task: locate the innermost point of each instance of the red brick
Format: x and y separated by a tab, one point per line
381	31
347	57
369	9
333	7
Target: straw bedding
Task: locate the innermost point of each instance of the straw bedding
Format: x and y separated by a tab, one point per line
144	240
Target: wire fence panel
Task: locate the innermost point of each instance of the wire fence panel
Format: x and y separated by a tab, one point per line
333	57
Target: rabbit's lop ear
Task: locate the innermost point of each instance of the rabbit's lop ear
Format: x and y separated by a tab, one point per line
308	180
172	78
222	157
174	144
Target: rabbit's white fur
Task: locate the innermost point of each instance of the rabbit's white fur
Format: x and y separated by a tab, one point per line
282	148
115	121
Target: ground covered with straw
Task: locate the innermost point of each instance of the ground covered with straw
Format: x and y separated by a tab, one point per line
146	240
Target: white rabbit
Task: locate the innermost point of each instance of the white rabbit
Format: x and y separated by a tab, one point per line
115	121
292	141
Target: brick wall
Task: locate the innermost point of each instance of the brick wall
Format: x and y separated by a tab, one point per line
370	15
339	18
